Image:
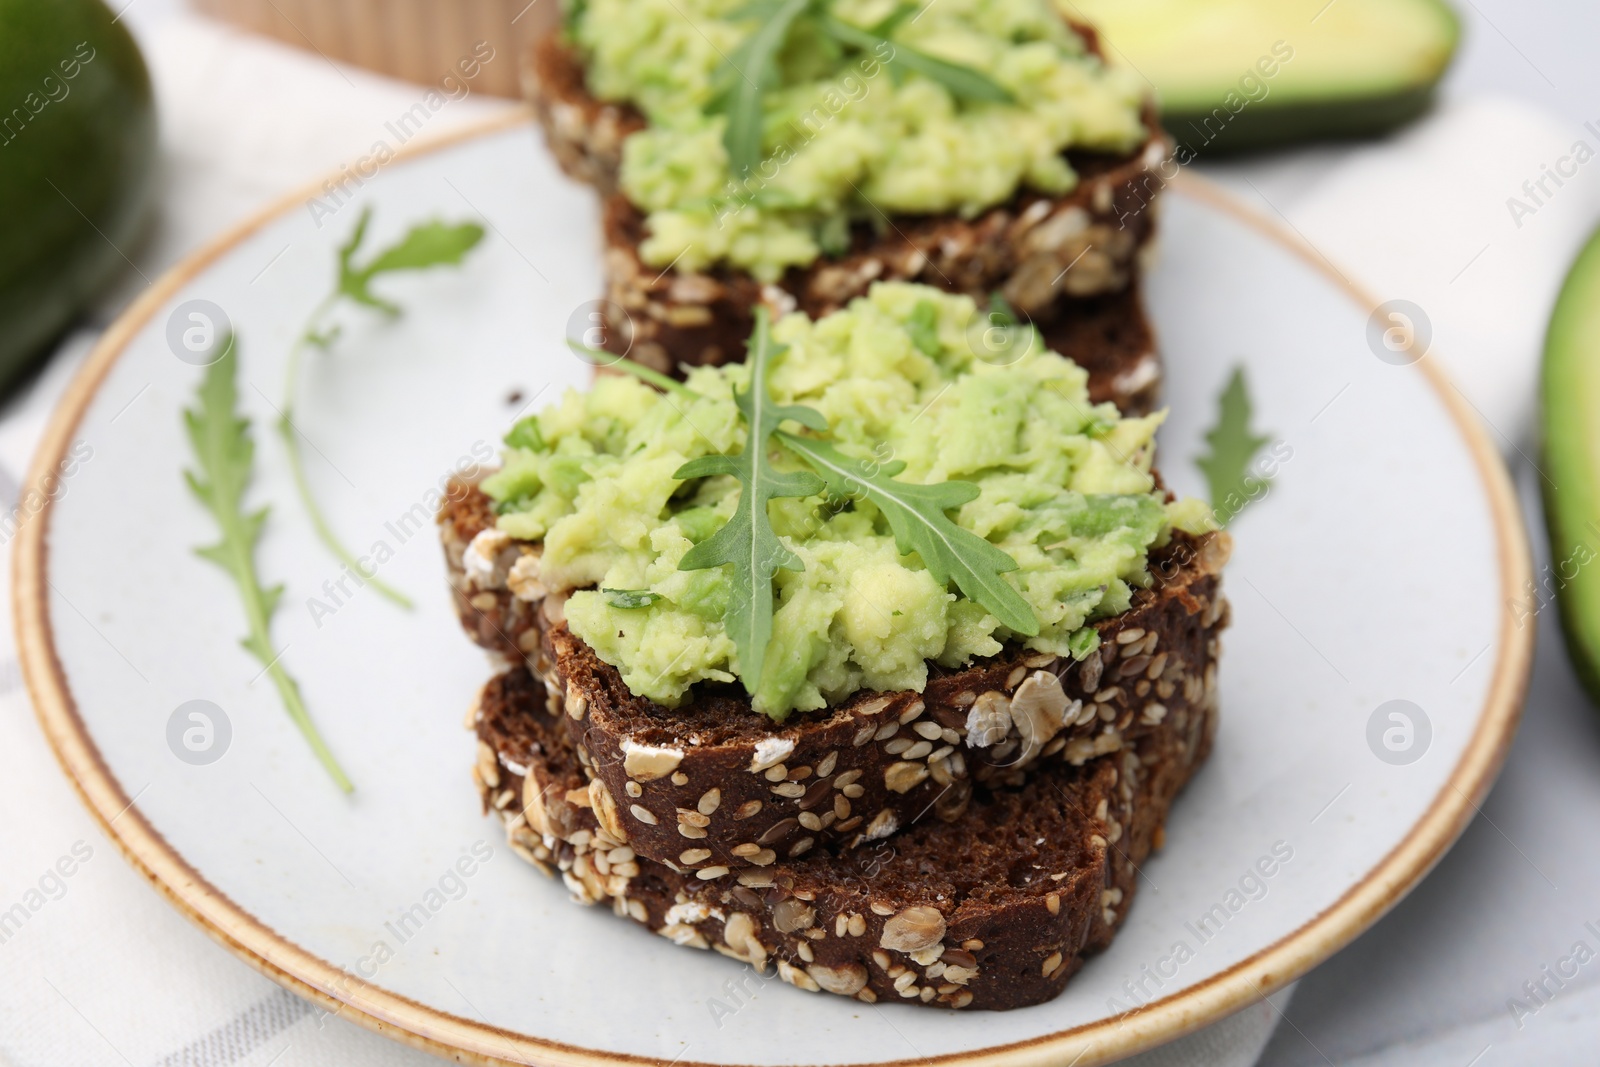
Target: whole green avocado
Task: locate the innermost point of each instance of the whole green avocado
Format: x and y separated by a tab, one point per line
77	165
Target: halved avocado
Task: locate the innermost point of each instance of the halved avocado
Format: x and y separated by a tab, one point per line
77	162
1233	75
1570	398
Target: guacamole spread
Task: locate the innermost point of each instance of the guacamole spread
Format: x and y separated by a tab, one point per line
849	131
1064	489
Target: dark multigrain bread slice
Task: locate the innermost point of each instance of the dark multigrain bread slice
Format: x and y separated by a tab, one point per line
714	784
995	909
1044	254
1048	258
1110	336
584	133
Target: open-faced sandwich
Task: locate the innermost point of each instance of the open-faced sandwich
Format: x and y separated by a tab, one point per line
792	152
867	657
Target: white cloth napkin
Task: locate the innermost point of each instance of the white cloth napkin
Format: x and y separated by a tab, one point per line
109	973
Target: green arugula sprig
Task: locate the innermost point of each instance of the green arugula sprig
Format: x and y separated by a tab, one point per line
964	83
750	73
1233	447
751	70
225	454
916	514
747	541
429	244
611	361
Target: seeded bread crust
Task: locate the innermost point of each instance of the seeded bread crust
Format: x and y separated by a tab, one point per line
995	909
669	320
713	784
1047	255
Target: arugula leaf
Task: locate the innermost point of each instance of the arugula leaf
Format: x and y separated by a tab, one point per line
916	514
747	542
429	244
964	83
225	455
631	598
426	245
1233	446
753	68
886	26
756	10
611	361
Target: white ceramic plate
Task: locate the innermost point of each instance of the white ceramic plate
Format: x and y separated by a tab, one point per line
1376	569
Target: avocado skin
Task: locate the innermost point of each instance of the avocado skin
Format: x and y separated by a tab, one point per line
76	176
1569	399
1268	126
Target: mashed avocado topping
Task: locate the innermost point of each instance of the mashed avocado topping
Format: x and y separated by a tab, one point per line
854	124
1062	487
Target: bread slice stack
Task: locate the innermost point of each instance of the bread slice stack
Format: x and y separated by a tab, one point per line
966	841
994	906
843	849
1070	264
